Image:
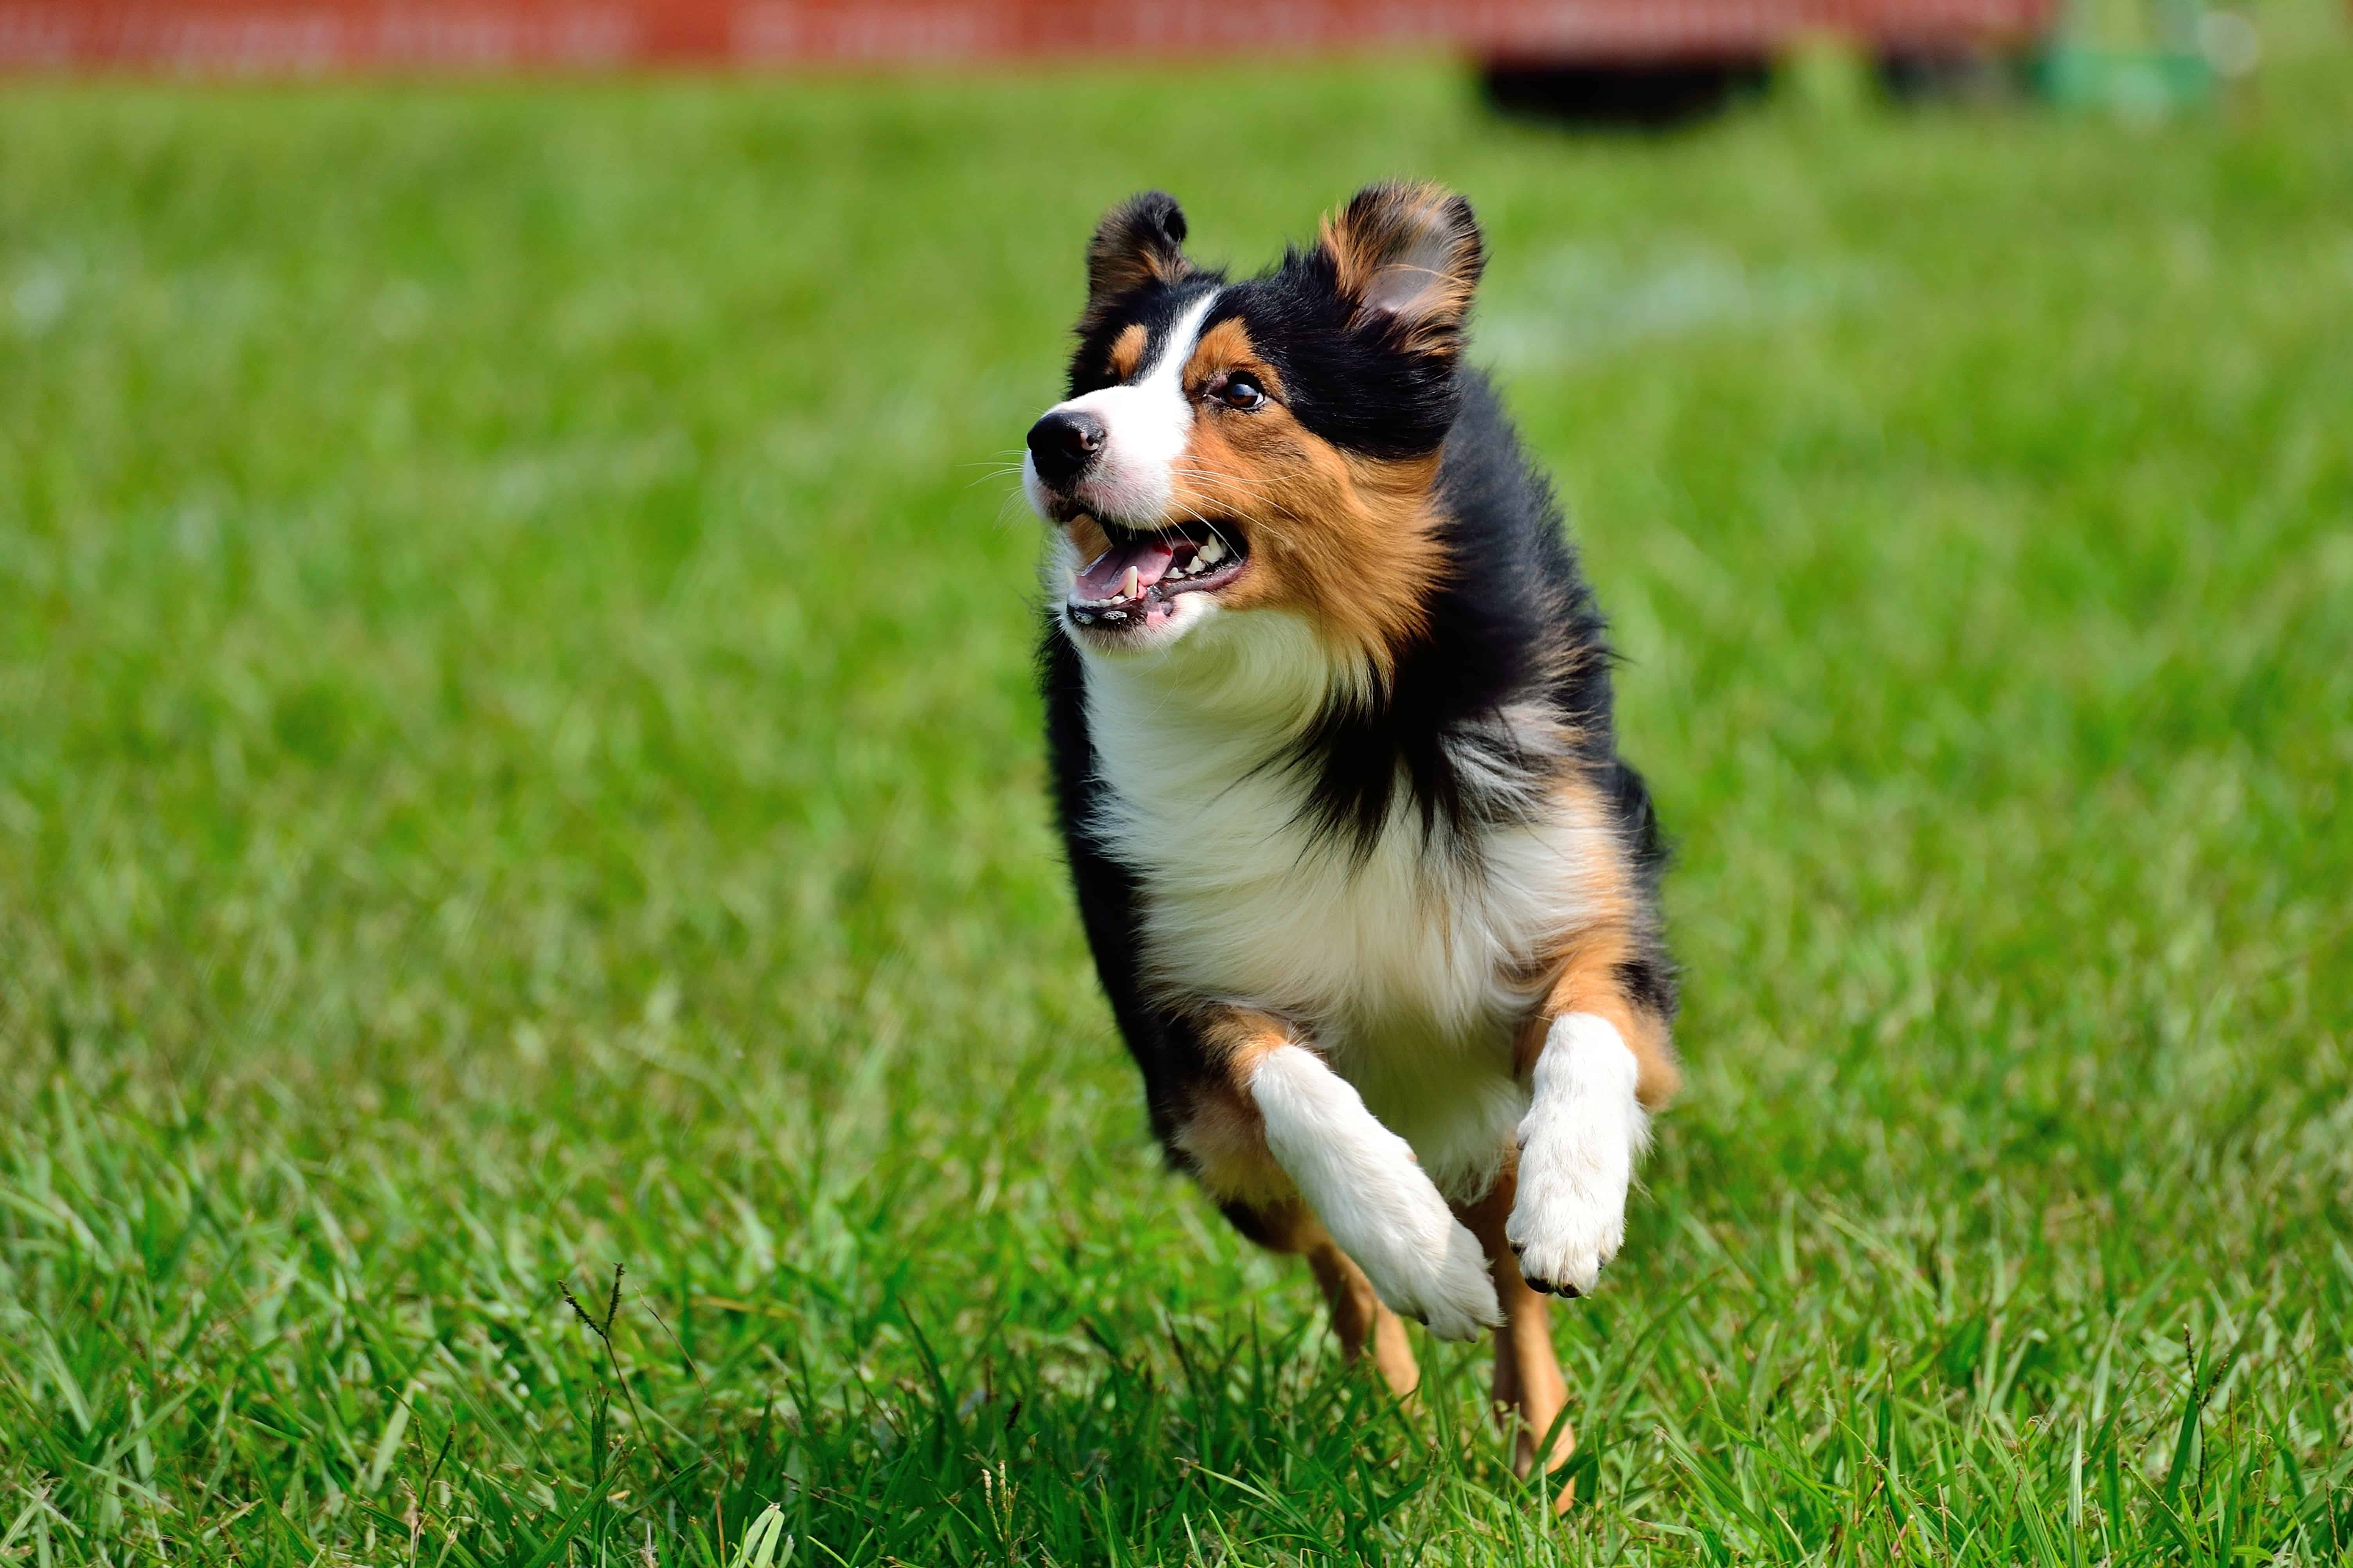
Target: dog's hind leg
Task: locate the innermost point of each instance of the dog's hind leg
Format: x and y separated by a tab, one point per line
1530	1392
1366	1328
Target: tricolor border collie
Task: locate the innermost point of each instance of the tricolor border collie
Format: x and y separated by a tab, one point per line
1371	893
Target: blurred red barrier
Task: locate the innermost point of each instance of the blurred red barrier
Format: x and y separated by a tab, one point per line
315	36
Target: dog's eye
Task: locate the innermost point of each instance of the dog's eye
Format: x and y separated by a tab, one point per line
1240	390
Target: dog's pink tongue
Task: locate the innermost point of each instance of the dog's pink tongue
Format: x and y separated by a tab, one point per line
1106	577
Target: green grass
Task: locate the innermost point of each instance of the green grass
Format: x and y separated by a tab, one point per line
516	759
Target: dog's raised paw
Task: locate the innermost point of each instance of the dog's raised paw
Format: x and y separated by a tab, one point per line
1451	1293
1577	1146
1364	1183
1419	1259
1569	1217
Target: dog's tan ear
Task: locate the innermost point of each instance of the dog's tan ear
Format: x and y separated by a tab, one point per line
1411	253
1139	242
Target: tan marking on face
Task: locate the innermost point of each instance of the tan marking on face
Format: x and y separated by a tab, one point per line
1127	353
1223	348
1349	542
1580	971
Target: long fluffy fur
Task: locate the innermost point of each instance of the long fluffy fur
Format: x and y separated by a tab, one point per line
1368	789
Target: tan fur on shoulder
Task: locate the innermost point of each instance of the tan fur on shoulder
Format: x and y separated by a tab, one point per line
1582	971
1221	1134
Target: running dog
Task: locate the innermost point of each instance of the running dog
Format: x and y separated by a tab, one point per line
1371	893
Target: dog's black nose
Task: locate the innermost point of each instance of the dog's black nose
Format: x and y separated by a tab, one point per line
1063	443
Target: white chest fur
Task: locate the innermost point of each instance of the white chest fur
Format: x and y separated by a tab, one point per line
1397	965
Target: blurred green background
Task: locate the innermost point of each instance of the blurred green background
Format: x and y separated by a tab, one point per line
516	758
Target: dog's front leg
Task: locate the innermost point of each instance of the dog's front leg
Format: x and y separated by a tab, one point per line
1578	1142
1602	1062
1360	1178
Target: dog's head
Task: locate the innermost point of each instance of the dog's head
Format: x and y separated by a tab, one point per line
1263	444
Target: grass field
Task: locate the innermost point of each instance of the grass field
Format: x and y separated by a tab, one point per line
516	760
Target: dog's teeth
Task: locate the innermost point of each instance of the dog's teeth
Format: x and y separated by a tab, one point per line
1131	584
1212	552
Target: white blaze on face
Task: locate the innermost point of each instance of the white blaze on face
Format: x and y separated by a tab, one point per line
1146	423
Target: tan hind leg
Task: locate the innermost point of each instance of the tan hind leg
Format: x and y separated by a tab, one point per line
1530	1392
1365	1327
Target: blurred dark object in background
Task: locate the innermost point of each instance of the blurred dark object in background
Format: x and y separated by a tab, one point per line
1638	94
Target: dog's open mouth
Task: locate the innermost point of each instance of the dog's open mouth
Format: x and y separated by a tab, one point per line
1136	583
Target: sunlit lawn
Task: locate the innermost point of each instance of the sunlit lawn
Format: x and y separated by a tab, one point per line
516	759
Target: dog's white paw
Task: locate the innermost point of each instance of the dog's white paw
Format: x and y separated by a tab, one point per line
1447	1288
1363	1183
1578	1146
1570	1217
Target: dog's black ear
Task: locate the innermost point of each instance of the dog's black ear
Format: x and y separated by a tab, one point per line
1139	242
1409	253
